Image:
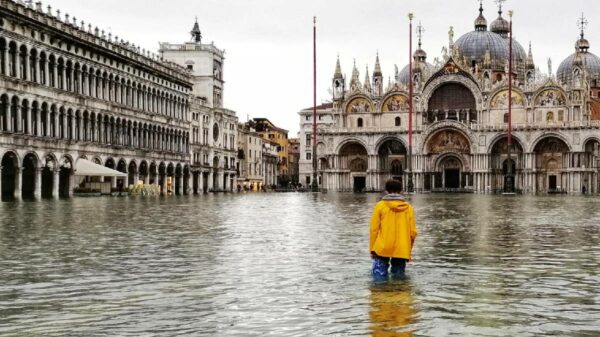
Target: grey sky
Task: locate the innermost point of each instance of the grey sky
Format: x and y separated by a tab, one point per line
268	65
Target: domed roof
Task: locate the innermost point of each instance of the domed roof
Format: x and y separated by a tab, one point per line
403	76
474	45
500	26
591	62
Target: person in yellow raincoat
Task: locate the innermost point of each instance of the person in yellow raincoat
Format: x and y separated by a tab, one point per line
393	232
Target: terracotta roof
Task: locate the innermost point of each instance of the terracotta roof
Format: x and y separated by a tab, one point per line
322	106
595	103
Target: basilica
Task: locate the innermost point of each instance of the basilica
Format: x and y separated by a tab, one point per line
461	121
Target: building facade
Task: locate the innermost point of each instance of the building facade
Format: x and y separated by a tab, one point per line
71	92
213	128
460	121
279	136
250	159
294	160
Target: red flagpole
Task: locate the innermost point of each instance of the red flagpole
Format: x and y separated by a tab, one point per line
410	103
315	184
510	67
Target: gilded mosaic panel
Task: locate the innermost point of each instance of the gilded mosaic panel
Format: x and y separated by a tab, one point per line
550	98
500	101
395	103
359	105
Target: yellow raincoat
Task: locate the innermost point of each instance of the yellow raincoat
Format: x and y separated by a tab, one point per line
393	228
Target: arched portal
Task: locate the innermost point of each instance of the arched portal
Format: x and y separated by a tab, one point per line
452	101
65	176
170	178
551	163
450	167
591	177
143	172
48	177
449	150
132	172
506	173
353	159
10	165
30	177
162	178
391	161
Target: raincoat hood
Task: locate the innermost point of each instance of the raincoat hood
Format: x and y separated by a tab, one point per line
395	202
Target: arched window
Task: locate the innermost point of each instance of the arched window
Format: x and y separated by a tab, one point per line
506	118
397	121
359	122
499	77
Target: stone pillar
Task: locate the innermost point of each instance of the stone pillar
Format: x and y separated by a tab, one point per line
37	190
201	183
211	180
164	186
55	184
19	118
147	179
190	184
28	128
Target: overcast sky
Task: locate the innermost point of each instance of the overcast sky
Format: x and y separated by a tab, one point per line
268	43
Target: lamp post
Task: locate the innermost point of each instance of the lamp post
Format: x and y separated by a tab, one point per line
410	186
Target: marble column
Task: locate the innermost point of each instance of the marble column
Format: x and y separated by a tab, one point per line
37	189
179	185
55	184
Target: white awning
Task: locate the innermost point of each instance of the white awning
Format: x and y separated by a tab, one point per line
85	167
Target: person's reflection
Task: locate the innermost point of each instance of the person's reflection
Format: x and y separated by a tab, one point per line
392	309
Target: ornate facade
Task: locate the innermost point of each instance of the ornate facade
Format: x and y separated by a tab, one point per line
460	121
69	91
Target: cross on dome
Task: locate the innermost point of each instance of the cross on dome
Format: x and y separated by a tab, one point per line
500	3
582	23
420	31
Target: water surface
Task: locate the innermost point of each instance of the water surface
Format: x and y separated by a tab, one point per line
297	265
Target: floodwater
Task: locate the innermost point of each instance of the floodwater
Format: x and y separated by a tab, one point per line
297	265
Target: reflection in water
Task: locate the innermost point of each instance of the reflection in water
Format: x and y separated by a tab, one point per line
392	309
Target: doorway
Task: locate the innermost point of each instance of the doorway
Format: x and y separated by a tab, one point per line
452	178
552	183
360	183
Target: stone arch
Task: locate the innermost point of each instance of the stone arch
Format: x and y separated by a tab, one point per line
66	166
437	82
10	179
30	167
534	143
350	140
450	145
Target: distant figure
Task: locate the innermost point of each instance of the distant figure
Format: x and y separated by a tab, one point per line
393	232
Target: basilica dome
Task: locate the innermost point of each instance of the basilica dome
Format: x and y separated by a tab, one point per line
589	60
404	75
474	45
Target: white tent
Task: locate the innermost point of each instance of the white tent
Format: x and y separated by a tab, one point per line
85	167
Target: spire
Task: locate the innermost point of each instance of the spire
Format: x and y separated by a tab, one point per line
377	71
367	81
420	54
500	3
582	44
530	64
500	26
196	34
338	69
480	22
354	81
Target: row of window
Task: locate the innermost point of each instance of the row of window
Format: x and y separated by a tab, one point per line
48	120
58	72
